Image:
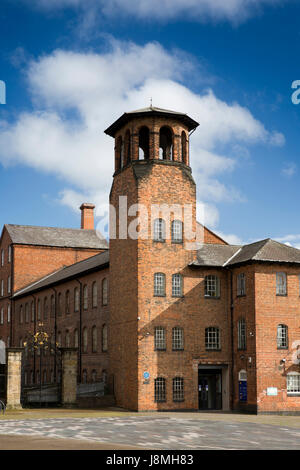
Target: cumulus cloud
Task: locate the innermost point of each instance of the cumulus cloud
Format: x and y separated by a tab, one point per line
289	169
75	96
234	11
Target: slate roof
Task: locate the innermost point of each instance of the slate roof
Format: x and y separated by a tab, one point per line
126	117
94	263
54	236
230	255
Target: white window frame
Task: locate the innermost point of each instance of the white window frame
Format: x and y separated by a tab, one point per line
212	338
293	383
159	285
177	285
281	283
160	338
212	286
177	338
159	230
241	284
282	336
178	389
177	231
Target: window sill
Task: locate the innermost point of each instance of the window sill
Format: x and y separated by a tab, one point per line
282	347
159	241
177	243
241	295
281	295
159	295
212	349
211	297
178	401
174	350
296	394
160	350
177	296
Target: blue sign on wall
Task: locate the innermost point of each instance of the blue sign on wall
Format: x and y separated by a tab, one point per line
243	390
146	375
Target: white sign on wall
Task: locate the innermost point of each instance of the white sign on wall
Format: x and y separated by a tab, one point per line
272	391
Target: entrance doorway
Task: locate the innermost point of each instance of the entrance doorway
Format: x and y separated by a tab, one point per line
210	389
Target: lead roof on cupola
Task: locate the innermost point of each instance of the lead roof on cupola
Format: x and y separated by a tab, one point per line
153	111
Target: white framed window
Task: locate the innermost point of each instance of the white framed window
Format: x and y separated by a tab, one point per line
160	389
281	284
8	284
159	284
212	338
293	383
242	333
212	286
177	283
2	257
2	316
176	231
159	230
104	291
2	288
243	375
241	284
160	338
85	297
94	339
178	389
9	254
8	313
94	294
282	337
76	299
84	340
177	339
104	338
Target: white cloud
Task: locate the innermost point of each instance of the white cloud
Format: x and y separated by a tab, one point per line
234	11
76	96
289	169
230	238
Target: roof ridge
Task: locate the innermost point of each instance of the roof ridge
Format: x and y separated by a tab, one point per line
55	228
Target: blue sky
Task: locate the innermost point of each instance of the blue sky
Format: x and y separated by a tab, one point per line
71	67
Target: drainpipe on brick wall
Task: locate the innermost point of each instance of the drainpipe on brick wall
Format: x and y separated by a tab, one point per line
34	331
55	329
232	341
80	332
12	289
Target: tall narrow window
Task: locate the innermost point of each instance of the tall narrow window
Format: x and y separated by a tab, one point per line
2	288
104	339
127	147
8	284
176	231
94	339
52	306
26	313
9	254
85	297
160	389
2	316
95	294
281	284
8	313
76	339
178	389
45	308
2	257
212	286
84	340
183	147
165	143
241	284
59	306
212	338
119	149
159	285
177	283
159	230
68	340
104	291
177	339
160	338
21	314
39	312
144	150
282	337
67	306
242	333
76	299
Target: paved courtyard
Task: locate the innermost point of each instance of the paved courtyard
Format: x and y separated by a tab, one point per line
158	432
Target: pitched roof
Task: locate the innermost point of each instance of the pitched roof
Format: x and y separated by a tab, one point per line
54	236
94	263
126	117
230	255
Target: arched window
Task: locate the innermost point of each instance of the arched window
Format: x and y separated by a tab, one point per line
45	308
212	286
160	338
59	339
67	302
159	230
177	285
45	377
178	389
94	339
177	339
160	389
144	150
183	147
68	342
21	314
76	299
84	340
94	376
242	334
159	285
293	383
119	150
104	291
127	147
76	339
59	308
212	338
165	143
26	313
84	376
85	297
52	307
176	231
104	338
8	313
95	294
282	337
2	316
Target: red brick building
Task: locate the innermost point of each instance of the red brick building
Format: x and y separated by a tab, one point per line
171	316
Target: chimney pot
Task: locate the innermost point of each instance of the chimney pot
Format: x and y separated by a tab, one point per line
87	216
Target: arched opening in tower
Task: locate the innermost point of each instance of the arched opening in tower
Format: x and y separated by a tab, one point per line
127	147
119	153
183	147
165	143
144	150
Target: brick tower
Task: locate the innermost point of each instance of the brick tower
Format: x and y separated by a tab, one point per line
149	256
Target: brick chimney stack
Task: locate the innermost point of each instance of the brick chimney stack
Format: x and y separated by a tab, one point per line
87	216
